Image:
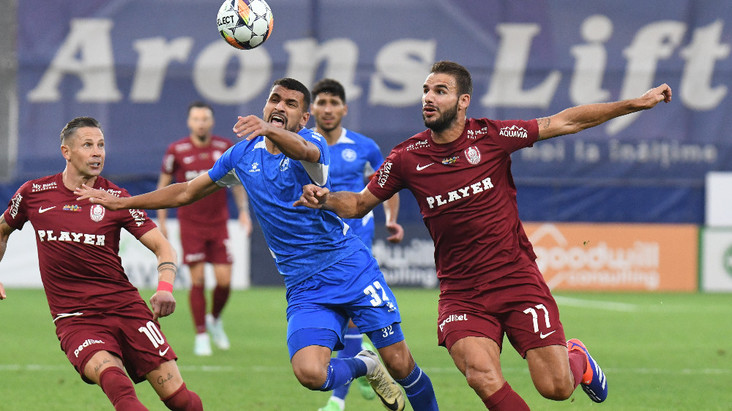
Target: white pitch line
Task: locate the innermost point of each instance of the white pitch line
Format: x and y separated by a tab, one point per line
600	305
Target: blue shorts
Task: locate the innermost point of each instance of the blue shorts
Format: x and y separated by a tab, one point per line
318	308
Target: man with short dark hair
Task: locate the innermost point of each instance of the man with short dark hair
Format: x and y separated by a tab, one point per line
329	274
459	171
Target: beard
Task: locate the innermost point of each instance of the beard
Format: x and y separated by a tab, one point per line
443	122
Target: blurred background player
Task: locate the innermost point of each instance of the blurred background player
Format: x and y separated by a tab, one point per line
329	274
103	324
203	231
353	160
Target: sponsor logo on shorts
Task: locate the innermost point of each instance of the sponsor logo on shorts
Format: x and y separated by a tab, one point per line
453	317
85	344
543	335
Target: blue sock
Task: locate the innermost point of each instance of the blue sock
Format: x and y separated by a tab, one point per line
352	346
342	371
418	388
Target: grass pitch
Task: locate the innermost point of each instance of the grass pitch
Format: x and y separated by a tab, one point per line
659	351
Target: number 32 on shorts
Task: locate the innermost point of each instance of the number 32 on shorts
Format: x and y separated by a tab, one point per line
377	294
380	297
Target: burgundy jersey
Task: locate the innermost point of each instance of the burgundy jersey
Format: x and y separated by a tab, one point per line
78	244
467	198
184	161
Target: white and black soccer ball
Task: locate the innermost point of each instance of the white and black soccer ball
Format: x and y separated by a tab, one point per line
245	24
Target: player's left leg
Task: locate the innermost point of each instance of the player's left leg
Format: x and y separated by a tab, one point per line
168	384
550	372
221	293
401	365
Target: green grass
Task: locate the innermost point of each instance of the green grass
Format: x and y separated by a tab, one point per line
660	352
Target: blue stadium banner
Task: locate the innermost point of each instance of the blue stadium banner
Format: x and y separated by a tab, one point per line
136	64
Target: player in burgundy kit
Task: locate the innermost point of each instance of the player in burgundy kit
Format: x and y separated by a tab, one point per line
459	172
103	324
203	232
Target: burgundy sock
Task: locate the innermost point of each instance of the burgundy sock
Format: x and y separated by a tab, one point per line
183	400
220	297
577	365
198	307
119	389
505	399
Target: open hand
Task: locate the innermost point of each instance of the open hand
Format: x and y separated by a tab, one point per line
96	196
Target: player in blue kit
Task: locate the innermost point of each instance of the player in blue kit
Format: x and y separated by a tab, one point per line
354	159
329	274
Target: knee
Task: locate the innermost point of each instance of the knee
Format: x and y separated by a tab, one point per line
483	381
554	388
311	376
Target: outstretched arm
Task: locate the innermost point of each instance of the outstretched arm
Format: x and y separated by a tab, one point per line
174	195
346	204
575	119
5	231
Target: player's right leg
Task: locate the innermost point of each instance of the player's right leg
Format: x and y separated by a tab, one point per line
107	371
197	298
478	358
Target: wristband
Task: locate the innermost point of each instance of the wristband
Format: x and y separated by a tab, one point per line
165	286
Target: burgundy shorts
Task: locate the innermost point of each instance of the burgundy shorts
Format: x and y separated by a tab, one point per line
208	244
519	305
129	333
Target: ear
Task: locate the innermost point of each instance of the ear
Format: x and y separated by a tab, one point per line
464	101
304	119
345	110
66	152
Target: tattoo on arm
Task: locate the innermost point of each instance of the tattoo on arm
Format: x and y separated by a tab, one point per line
544	122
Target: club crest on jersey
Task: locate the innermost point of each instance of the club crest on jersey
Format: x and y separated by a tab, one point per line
96	212
285	164
348	155
472	155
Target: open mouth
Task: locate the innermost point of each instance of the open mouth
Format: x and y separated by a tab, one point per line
428	110
278	119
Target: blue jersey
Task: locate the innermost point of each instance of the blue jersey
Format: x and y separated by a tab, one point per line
354	158
303	241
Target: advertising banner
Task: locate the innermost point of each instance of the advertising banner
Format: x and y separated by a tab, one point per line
135	68
616	257
716	259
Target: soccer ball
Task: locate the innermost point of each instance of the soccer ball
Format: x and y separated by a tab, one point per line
245	24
